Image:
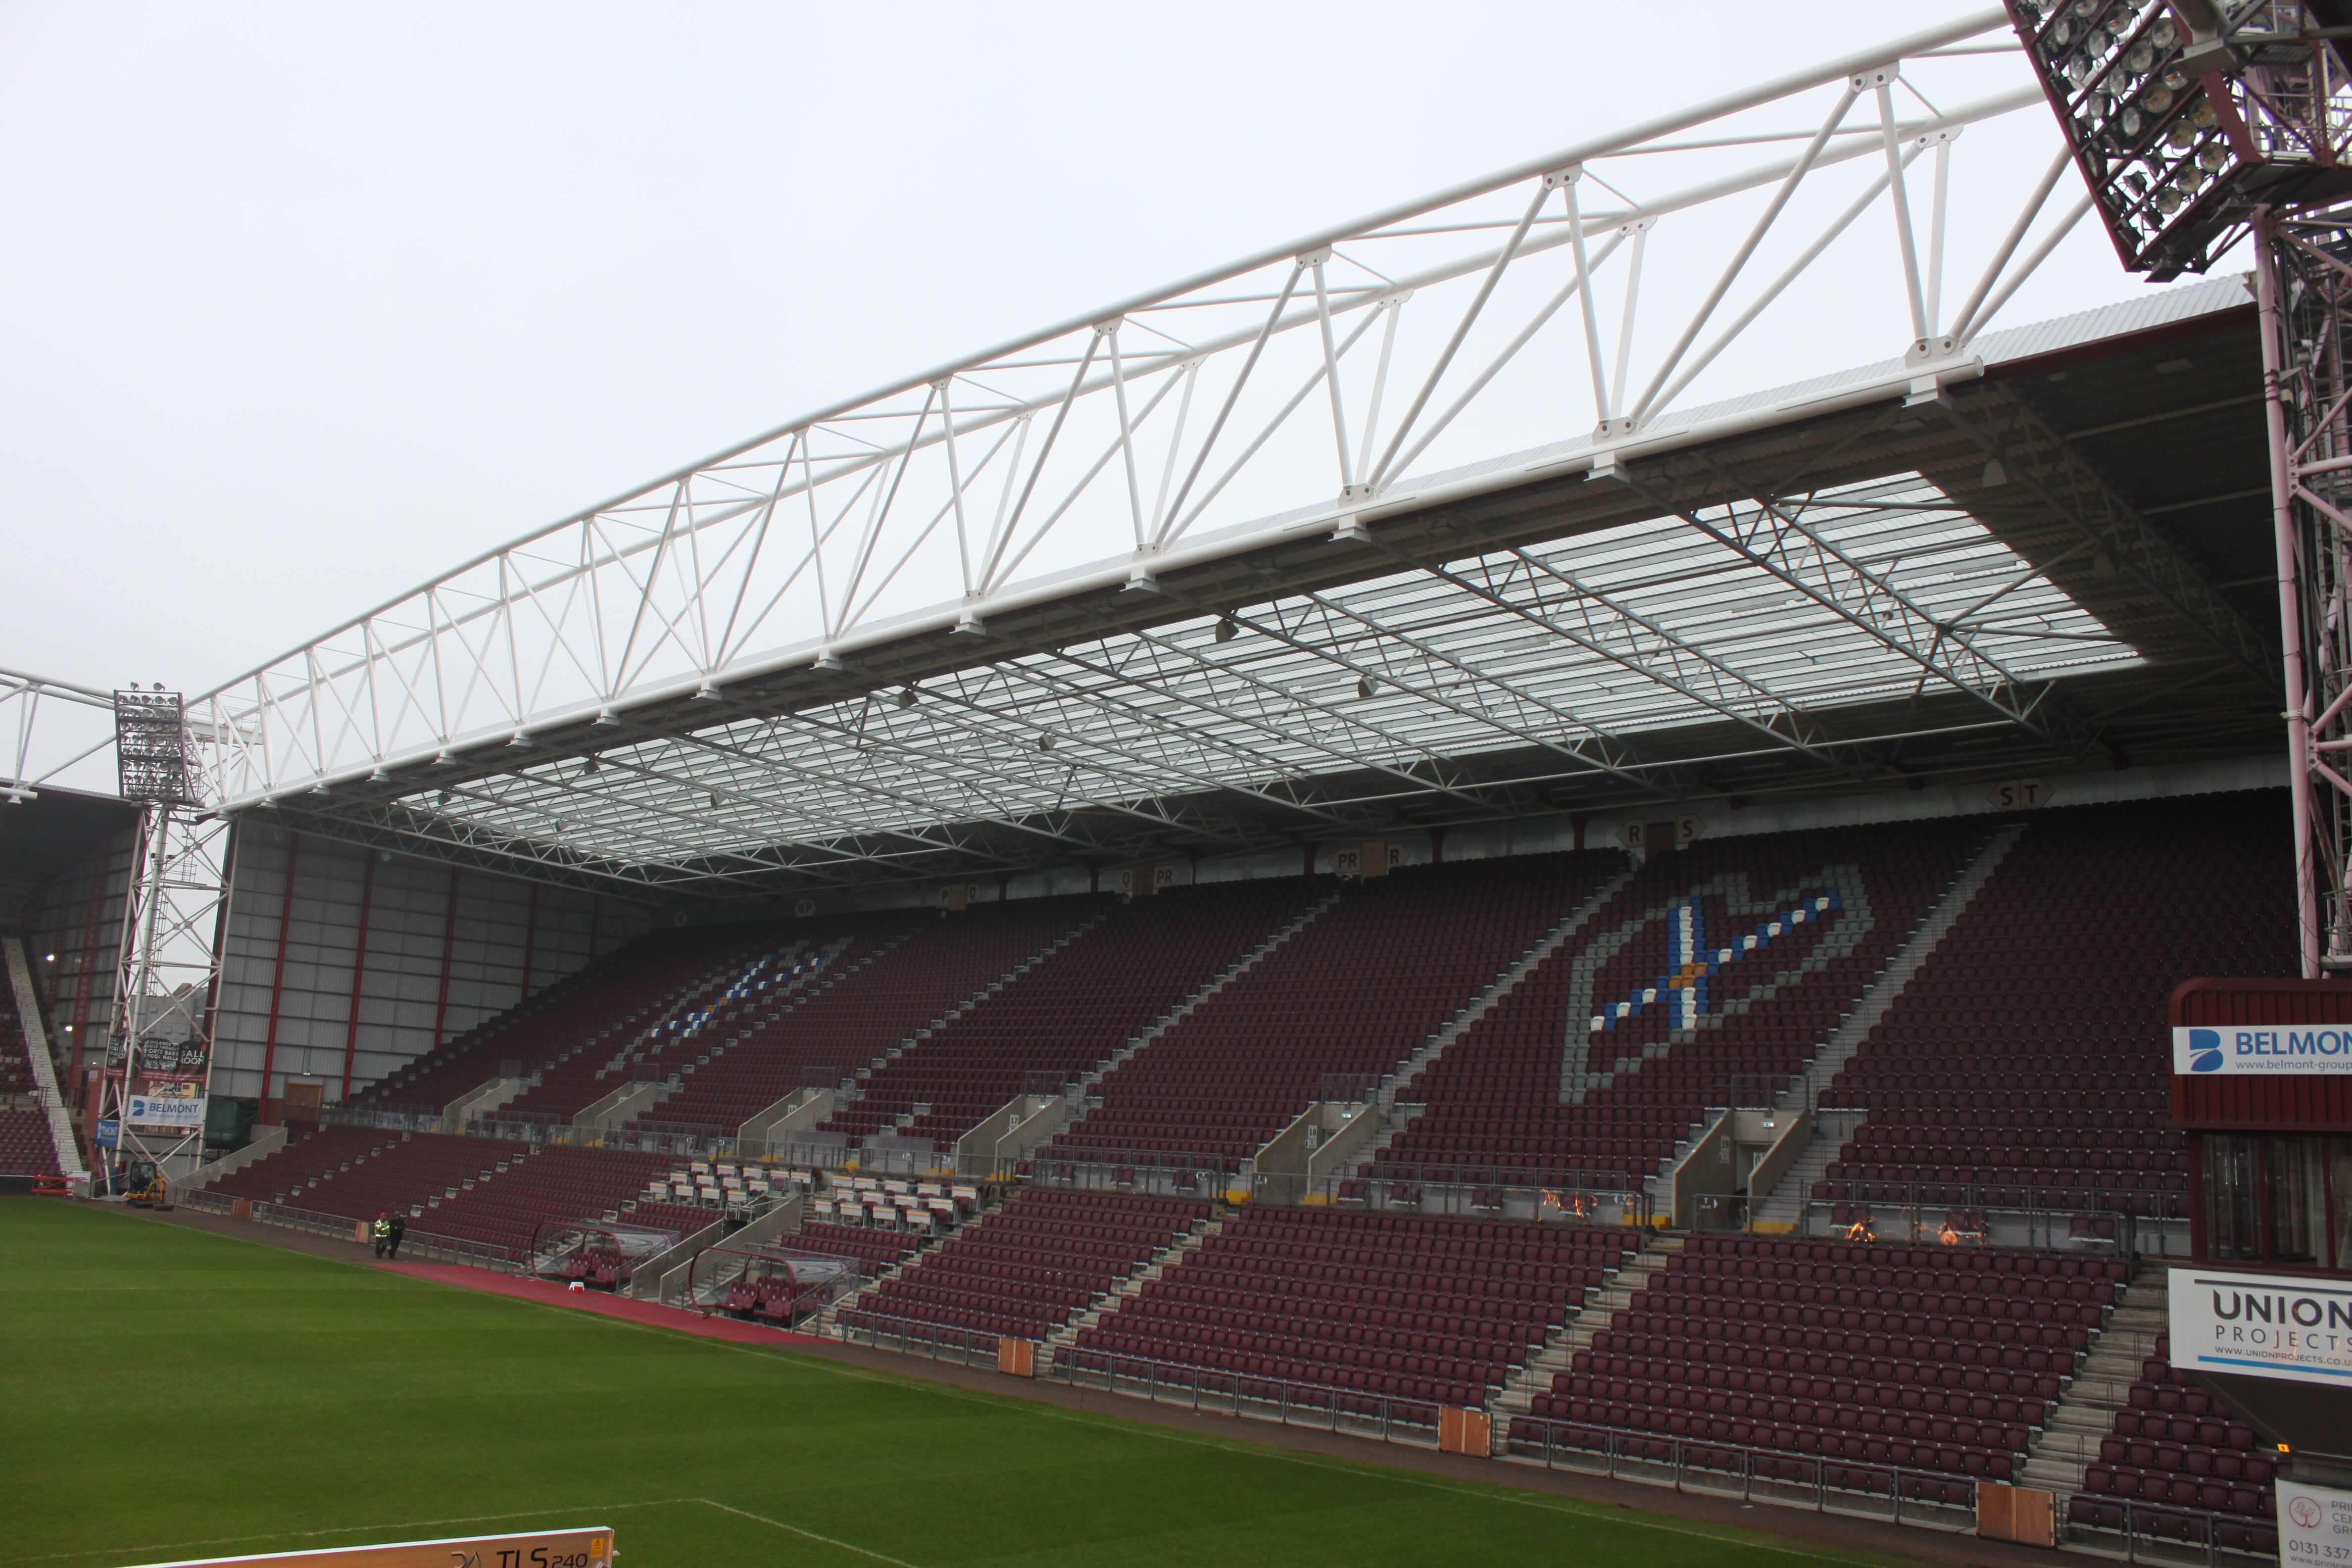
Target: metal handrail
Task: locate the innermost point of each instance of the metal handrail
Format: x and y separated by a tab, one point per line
1245	1394
910	1332
1613	1445
480	1254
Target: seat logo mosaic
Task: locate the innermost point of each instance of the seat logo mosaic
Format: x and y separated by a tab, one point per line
1716	931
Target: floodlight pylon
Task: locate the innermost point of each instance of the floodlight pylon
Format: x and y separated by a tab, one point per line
2197	126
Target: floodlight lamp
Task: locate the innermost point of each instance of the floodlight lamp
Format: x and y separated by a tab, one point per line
1225	628
1366	686
52	958
1045	742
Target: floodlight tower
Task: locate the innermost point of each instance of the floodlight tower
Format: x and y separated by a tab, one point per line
2198	123
168	952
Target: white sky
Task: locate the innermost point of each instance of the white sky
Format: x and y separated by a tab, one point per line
301	305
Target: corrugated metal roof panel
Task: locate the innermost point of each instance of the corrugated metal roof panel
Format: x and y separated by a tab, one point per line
2143	311
2149	308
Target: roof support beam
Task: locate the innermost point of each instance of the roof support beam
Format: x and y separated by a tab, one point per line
1352	760
1275	632
2035	458
1775	539
1727	693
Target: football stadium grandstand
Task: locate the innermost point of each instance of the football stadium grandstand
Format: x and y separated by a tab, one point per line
1692	954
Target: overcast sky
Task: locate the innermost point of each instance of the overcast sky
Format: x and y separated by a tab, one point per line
301	305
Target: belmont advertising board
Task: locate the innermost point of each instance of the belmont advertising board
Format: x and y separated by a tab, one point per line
166	1113
2268	1050
2262	1325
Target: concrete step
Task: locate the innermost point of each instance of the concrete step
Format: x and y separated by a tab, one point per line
1103	1305
1234	971
1503	985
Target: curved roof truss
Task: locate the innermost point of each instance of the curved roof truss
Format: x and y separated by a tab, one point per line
1235	561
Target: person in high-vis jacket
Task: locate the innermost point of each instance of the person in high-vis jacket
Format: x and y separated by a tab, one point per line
382	1230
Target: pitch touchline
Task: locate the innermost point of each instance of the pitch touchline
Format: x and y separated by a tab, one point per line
1495	1491
796	1530
1500	1491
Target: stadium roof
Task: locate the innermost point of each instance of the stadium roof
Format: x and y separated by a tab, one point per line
1233	565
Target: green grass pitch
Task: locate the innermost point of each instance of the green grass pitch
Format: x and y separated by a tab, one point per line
166	1394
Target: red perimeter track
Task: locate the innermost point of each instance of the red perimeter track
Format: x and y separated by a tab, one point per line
547	1293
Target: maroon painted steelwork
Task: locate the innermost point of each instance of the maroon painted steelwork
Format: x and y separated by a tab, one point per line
358	973
448	952
278	974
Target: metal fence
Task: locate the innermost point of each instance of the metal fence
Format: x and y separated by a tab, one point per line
1347	1410
2156	1532
2132	1221
1125	1169
391	1118
912	1336
1595	1197
312	1220
1898	1493
413	1242
2143	1533
456	1249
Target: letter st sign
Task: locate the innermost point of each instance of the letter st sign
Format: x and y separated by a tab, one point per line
2262	1325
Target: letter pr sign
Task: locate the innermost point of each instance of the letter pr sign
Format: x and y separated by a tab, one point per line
2276	1051
2315	1524
2262	1325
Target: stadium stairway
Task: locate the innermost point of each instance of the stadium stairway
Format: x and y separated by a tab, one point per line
1536	1375
734	1072
2020	1081
565	1087
904	977
1159	1264
1240	966
862	1126
2086	1412
40	1066
1827	1363
1784	1208
1027	1268
1803	1089
818	1236
1364	987
1503	1106
601	999
1397	1115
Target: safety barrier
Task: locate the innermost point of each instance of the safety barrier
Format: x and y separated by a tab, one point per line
2127	1222
938	1342
1348	1410
1901	1494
